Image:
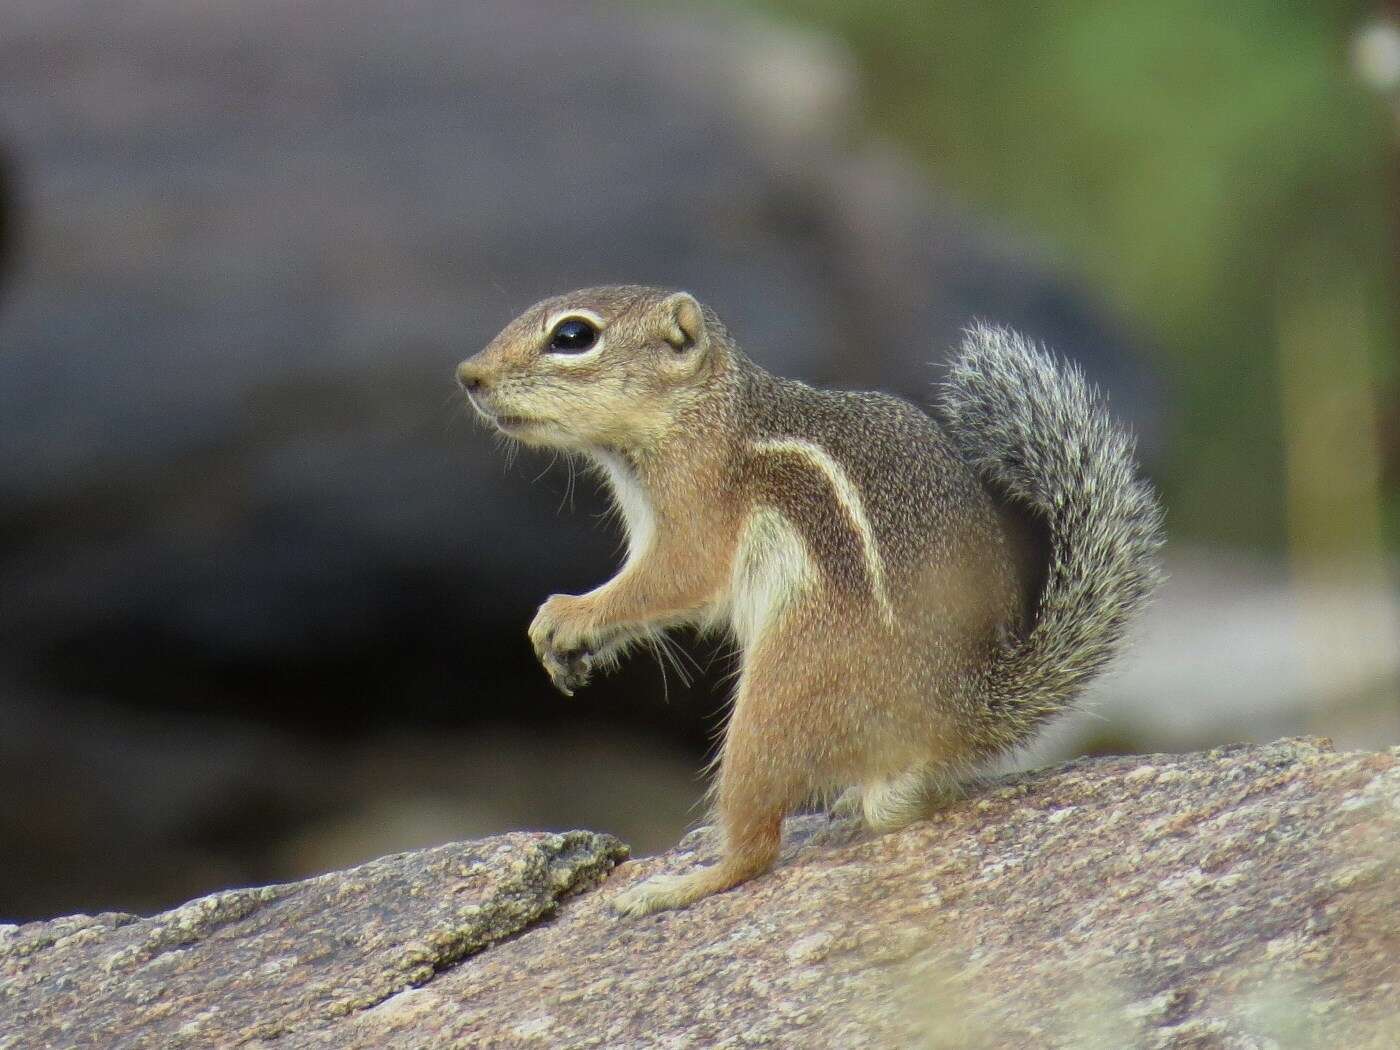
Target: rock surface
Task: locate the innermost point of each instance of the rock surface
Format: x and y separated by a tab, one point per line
1245	897
263	963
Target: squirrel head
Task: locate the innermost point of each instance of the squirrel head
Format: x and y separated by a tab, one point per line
609	367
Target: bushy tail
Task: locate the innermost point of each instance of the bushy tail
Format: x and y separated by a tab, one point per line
1039	434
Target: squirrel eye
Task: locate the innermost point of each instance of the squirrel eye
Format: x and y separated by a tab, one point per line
573	335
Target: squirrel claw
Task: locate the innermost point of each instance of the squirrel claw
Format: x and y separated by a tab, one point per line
565	642
568	670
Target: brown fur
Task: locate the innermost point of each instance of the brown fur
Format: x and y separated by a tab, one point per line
868	574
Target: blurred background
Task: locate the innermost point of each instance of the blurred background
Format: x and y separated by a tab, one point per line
263	584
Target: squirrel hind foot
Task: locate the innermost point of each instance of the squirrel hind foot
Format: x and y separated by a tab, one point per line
847	804
658	893
664	892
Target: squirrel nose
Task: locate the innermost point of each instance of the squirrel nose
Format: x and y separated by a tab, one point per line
470	378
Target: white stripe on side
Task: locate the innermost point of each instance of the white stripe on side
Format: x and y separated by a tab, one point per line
848	496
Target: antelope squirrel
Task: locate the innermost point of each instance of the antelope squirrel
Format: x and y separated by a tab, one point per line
910	595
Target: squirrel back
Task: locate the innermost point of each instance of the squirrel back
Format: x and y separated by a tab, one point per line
1042	439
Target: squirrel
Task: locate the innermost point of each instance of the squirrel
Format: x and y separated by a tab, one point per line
911	594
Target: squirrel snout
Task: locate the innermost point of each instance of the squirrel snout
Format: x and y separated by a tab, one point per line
470	377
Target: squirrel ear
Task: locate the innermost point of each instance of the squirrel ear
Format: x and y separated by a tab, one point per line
683	322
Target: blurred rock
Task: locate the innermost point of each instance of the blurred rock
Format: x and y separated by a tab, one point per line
8	208
258	238
1240	898
137	810
105	807
409	790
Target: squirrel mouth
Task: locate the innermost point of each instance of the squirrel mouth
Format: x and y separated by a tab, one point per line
514	422
500	420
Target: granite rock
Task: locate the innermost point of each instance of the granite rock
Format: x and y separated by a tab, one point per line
1245	897
272	961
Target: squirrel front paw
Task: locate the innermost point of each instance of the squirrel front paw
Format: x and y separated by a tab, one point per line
566	641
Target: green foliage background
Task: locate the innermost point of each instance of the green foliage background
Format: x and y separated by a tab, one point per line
1199	163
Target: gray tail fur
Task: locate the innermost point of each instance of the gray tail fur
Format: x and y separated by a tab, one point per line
1042	437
